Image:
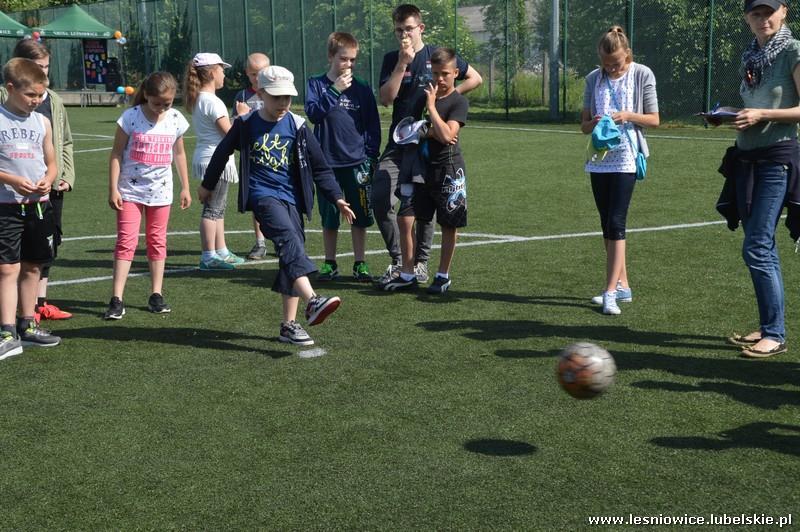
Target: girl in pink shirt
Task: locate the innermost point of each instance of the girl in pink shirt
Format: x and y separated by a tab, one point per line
148	140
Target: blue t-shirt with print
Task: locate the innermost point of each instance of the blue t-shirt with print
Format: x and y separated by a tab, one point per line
271	145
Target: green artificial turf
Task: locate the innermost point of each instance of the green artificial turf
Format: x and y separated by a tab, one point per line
425	412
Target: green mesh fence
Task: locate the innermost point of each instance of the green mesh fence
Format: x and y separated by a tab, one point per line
692	46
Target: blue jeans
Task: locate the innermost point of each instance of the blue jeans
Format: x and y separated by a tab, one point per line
759	249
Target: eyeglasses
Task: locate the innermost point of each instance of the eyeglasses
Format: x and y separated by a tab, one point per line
409	29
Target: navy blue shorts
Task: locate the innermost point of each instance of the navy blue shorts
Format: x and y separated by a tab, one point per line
281	223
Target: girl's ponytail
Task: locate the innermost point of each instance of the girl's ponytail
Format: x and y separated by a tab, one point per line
195	78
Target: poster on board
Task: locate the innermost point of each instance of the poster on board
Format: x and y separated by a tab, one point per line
95	61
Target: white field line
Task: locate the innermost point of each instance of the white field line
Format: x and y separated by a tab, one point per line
491	239
110	137
95	149
247	231
573	132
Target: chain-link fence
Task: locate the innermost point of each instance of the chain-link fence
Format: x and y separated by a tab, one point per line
693	46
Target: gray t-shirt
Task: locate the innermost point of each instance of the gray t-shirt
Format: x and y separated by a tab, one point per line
22	152
776	91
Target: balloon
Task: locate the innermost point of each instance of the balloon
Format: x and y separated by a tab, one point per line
122	40
129	90
117	34
120	90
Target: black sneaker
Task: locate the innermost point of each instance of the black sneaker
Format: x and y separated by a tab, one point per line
9	346
115	309
392	271
157	305
398	283
440	285
293	333
34	335
320	307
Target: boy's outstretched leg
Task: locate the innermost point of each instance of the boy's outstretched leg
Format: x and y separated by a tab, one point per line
317	307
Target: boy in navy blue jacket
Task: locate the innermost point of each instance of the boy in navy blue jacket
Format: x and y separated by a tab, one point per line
346	123
279	164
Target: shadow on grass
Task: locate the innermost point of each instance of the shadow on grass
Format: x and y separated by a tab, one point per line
180	336
777	437
458	295
517	329
491	447
753	375
758	396
732	368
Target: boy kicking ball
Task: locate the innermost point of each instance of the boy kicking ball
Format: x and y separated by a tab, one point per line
280	163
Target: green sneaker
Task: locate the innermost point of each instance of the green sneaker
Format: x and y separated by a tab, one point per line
327	272
361	272
216	264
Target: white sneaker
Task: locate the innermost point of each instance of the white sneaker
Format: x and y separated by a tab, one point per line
610	303
624	295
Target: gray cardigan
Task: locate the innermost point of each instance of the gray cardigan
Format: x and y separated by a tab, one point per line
644	96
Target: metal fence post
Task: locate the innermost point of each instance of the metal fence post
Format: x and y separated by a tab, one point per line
506	60
245	10
709	55
303	44
564	61
371	48
554	55
272	32
455	25
221	30
197	22
631	5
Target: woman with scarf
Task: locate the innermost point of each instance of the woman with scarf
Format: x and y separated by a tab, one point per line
763	165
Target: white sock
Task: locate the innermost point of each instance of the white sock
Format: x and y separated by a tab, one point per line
443	275
208	255
407	276
223	253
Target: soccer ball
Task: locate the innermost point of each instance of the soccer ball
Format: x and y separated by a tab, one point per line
585	370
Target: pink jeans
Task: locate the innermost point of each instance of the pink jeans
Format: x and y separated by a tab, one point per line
128	222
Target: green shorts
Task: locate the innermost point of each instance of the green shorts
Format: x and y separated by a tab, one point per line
356	184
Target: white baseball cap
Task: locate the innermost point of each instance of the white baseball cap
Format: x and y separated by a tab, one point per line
207	59
277	81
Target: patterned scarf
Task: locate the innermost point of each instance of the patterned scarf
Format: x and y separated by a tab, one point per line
756	59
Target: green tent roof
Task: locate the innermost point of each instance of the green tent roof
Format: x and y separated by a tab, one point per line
11	28
76	23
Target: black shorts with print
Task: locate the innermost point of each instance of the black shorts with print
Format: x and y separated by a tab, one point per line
444	193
